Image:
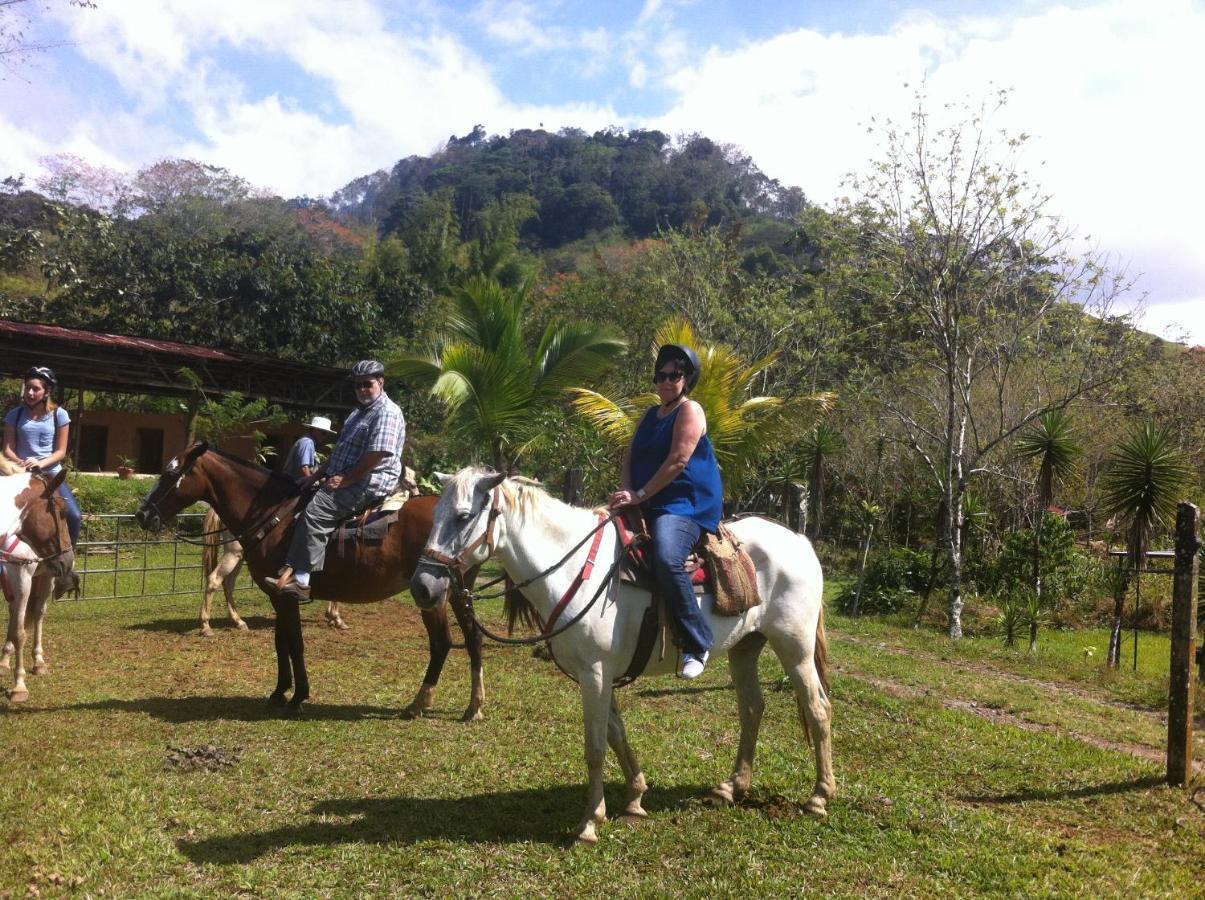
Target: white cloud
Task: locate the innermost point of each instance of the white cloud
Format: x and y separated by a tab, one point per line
1107	91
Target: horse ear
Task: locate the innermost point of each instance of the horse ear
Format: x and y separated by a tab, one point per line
491	481
196	451
442	477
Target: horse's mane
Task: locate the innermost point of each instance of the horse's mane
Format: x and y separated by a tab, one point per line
279	479
8	467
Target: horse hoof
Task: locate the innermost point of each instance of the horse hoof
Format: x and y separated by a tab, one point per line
587	837
18	696
277	698
242	626
721	795
206	631
816	806
472	716
41	669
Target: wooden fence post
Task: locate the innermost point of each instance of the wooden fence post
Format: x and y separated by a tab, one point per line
575	481
1184	632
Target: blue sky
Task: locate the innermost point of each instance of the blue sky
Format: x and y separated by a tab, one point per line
300	96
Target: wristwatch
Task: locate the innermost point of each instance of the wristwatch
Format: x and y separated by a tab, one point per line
640	494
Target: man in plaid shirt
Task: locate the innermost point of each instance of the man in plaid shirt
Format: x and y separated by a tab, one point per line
364	468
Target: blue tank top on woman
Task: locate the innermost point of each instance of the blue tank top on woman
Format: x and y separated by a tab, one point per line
696	493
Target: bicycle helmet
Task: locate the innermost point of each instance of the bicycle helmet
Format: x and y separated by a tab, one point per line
684	355
367	368
43	373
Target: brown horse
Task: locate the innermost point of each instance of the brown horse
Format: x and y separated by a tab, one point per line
259	507
36	553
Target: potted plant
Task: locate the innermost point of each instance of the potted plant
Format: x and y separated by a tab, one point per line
125	467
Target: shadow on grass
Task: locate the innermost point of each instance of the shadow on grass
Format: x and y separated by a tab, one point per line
193	623
543	815
178	710
1091	790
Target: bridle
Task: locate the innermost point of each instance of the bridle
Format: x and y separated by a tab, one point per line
247	538
456	567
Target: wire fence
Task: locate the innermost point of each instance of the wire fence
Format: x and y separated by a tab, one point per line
116	559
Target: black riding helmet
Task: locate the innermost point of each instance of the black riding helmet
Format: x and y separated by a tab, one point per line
43	373
367	368
686	357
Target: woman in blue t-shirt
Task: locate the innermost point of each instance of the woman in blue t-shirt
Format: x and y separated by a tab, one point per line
670	469
35	436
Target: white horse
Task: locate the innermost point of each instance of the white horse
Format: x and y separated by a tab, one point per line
482	512
221	559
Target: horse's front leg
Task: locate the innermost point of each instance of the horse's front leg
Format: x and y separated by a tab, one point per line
438	645
472	643
750	702
38	601
284	668
296	643
596	709
617	737
19	584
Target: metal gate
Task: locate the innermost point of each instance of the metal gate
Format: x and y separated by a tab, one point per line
115	559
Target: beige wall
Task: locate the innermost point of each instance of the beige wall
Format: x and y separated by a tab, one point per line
122	435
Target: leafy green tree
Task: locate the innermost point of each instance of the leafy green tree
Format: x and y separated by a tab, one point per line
743	426
1147	477
983	275
487	377
819	446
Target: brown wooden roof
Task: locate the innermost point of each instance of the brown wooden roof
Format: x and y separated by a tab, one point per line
112	362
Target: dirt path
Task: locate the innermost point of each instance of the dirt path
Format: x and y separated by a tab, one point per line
1001	716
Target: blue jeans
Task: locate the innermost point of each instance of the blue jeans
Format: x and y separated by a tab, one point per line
673	539
74	517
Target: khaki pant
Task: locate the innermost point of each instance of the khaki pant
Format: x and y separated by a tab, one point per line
322	516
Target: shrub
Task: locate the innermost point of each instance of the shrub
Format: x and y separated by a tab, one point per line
1066	572
894	577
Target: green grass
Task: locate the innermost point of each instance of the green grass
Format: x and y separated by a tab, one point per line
351	800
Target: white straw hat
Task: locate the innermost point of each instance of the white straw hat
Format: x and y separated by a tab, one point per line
322	423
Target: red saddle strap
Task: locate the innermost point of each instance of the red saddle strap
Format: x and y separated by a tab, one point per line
582	577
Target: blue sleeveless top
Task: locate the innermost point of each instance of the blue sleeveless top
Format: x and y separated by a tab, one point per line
696	493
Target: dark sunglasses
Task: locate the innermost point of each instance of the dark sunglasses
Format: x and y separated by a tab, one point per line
659	377
364	384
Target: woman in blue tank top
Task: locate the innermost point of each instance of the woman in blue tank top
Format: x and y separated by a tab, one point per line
671	470
35	436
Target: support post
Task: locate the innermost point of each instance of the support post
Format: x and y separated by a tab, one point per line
575	481
1184	633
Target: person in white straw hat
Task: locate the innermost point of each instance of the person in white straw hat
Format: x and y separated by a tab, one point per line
303	458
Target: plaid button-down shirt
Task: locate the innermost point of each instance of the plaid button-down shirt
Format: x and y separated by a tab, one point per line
380	426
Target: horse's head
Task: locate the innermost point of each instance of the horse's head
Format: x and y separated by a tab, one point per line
44	521
464	533
180	486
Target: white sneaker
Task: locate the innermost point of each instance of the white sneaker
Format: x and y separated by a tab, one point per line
693	665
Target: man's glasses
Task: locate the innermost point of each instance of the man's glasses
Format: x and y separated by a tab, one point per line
659	377
361	385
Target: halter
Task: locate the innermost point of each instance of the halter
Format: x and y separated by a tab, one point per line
457	566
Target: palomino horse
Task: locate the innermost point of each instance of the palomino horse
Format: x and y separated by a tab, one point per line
259	506
482	512
35	549
221	560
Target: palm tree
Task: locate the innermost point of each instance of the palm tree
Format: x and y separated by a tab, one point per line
1051	441
821	443
742	428
485	374
1147	476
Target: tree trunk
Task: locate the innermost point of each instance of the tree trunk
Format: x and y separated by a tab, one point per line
862	569
1114	658
954	539
190	426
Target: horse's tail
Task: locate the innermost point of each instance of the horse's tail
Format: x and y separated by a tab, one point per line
820	656
518	609
213	542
